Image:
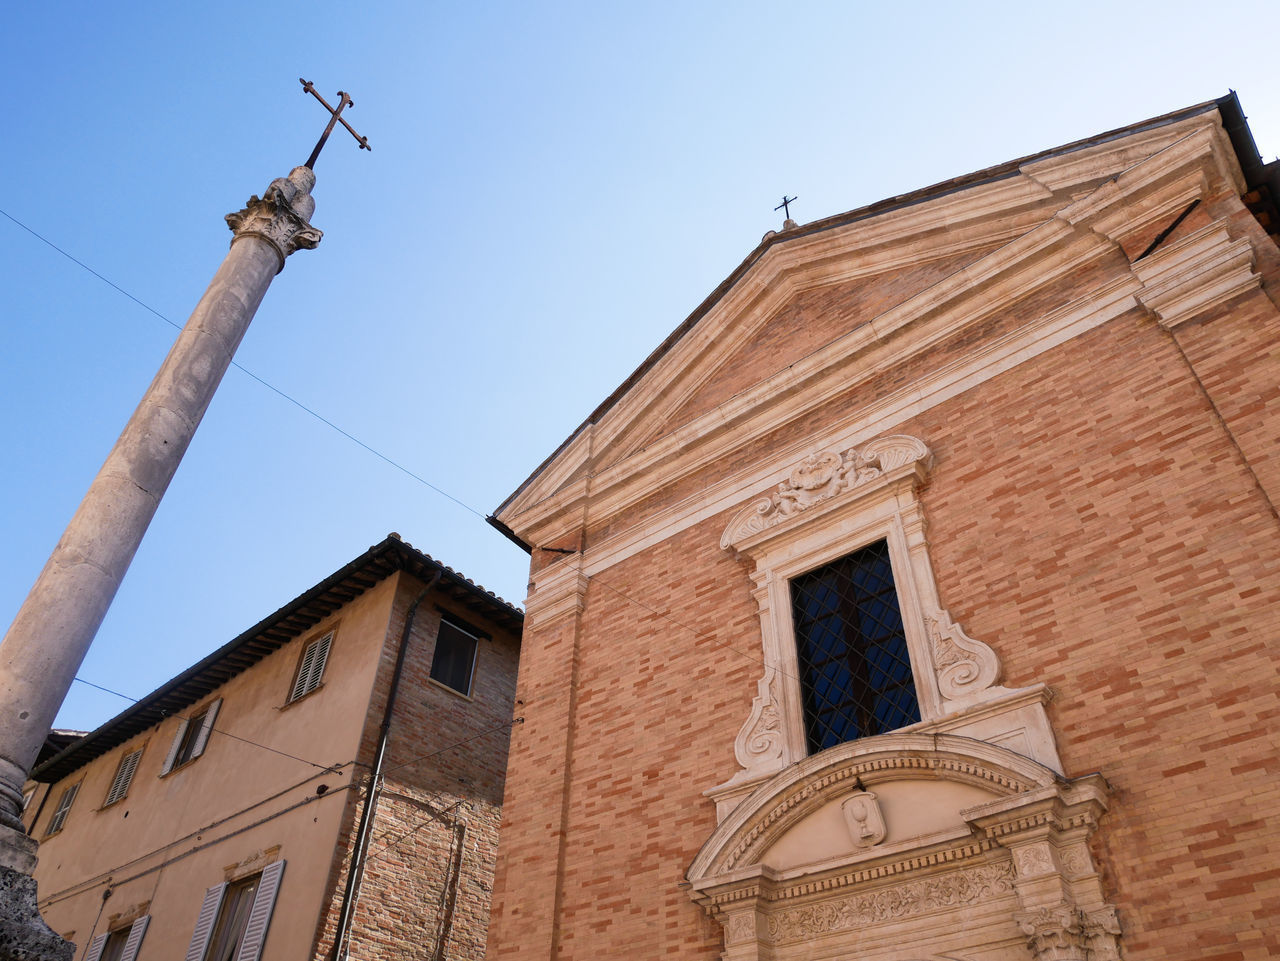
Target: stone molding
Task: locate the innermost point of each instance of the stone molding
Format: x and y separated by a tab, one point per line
1016	873
281	217
556	592
1191	277
833	502
803	787
824	475
906	900
1186	159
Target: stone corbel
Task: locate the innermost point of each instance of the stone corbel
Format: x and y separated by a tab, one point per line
1201	271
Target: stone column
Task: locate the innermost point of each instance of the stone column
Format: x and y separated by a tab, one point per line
55	625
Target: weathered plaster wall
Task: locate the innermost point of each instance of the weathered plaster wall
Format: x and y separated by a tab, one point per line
174	836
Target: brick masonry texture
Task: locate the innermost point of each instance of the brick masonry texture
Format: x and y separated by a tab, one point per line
1102	515
428	876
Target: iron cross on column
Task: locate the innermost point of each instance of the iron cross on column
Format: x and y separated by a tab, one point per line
343	101
785	206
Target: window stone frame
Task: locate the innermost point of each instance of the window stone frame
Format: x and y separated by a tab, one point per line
832	503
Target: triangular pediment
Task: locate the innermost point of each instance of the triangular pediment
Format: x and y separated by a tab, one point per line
812	319
812	305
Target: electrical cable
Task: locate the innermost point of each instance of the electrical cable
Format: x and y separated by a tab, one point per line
396	841
240	367
759	659
234	737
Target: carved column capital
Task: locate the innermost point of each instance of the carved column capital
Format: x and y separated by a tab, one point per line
281	216
1066	932
1055	933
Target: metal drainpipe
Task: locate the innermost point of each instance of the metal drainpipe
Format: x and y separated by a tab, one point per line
339	951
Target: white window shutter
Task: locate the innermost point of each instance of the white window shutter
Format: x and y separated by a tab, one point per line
95	947
124	777
64	807
173	748
134	941
204	923
304	672
264	902
322	655
202	738
312	667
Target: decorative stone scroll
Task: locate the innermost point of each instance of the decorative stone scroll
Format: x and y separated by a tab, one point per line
822	476
761	741
832	502
964	666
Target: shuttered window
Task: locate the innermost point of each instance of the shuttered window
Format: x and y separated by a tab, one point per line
191	737
119	945
233	920
311	667
454	660
60	812
124	777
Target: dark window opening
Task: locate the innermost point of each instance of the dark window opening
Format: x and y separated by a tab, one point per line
190	737
855	672
454	660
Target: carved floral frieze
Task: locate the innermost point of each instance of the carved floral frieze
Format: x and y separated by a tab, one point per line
912	898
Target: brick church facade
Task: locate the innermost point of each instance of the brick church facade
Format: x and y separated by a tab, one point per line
915	598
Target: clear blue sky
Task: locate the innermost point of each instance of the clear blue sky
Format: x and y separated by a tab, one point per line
552	189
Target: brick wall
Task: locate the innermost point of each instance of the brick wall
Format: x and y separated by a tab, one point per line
428	873
1098	515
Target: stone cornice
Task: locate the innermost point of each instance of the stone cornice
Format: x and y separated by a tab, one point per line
558	591
807	785
1149	189
881	414
1204	270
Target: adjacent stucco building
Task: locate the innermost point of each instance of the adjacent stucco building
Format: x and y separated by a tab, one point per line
219	816
916	598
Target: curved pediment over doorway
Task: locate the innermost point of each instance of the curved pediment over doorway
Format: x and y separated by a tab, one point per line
910	846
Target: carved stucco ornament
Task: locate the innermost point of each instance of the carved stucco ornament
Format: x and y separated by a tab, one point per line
863	818
761	739
964	666
281	216
814	504
1068	933
822	476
